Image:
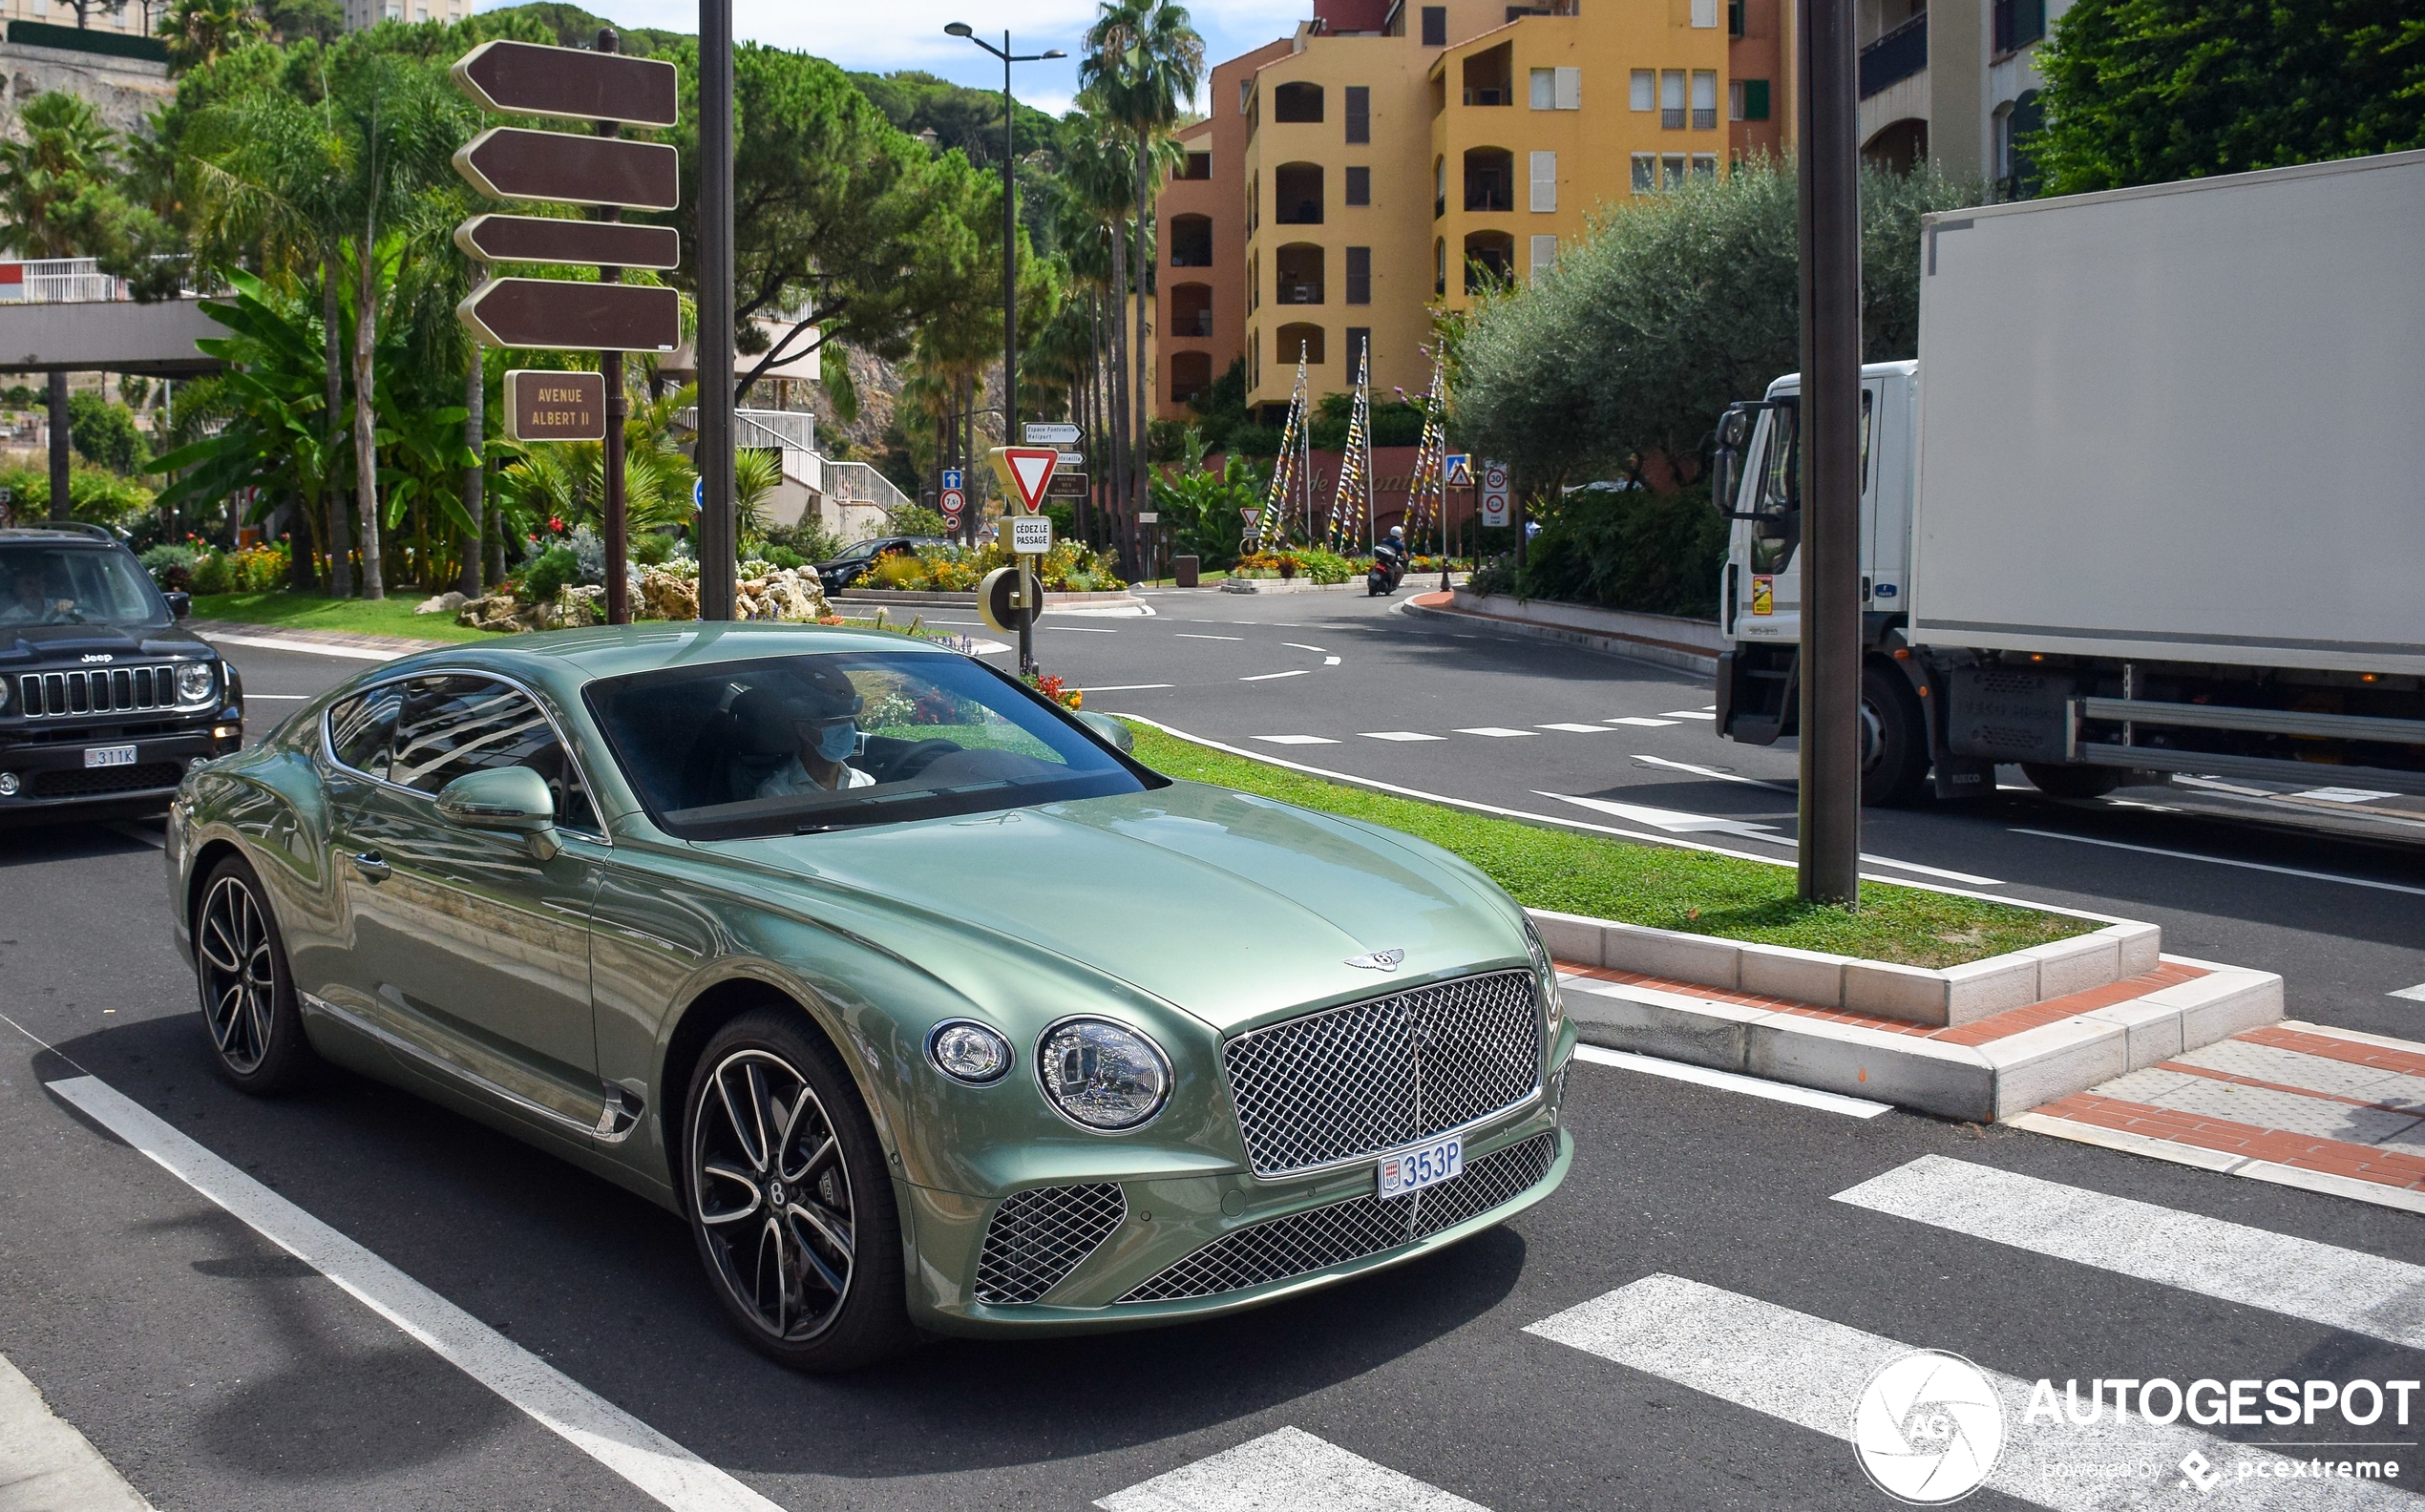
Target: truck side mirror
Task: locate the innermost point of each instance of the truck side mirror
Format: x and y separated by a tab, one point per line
1734	428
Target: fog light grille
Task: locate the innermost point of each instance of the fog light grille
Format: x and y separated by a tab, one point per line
1040	1235
1318	1238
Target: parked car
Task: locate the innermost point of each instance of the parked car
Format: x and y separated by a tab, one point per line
845	569
925	1004
105	699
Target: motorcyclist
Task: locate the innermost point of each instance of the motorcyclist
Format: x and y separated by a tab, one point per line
1389	562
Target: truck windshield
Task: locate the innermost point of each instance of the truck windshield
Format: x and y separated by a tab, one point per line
64	585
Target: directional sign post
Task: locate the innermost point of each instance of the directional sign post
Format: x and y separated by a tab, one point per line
579	317
542	405
509	162
1051	433
529	78
536	238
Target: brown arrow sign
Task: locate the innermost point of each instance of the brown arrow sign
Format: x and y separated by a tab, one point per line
581	317
534	238
528	78
506	162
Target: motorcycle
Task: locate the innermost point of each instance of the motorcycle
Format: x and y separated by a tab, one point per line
1389	565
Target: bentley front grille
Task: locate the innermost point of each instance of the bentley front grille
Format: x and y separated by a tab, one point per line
1318	1238
1040	1235
97	690
1373	1076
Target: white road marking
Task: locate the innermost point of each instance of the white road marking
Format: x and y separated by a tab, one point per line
652	1462
1810	1372
1732	1081
1684	714
1081	629
1711	771
1330	660
2340	1289
2331	1183
2344	795
1579	729
1643	720
1298	740
1285	1469
1299	645
1401	735
309	647
1678	822
2226	861
1126	688
2416	994
1496	731
1266	677
1189	634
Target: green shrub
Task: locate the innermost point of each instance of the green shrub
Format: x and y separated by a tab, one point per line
104	433
781	557
1629	549
1323	566
652	548
556	569
916	520
211	574
172	567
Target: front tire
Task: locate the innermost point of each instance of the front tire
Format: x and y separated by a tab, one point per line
790	1198
249	999
1894	739
2072	782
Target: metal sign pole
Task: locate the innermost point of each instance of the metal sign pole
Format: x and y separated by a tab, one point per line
611	366
718	561
1828	858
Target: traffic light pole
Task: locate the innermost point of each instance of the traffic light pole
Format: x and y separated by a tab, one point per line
1829	859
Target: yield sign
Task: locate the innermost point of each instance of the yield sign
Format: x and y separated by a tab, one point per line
1025	472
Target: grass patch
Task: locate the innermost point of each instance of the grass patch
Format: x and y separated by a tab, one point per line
1692	891
392	616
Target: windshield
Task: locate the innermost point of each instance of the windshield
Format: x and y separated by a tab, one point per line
803	743
858	553
46	584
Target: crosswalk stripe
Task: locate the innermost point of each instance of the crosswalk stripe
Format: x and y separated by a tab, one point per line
1642	719
1401	735
1298	740
2300	1278
1579	729
1685	714
1501	731
1810	1372
1285	1469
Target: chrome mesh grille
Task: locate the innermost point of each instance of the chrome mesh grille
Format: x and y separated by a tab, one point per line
95	690
1038	1236
1372	1076
1321	1237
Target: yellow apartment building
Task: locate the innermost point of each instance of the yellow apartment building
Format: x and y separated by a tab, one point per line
1376	166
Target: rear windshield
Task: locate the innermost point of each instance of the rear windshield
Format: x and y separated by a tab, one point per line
798	745
45	584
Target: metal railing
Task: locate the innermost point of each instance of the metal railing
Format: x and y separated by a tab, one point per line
59	280
1895	57
859	483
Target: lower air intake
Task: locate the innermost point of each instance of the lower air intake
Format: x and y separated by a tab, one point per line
1040	1235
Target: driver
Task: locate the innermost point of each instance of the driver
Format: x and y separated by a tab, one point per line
817	721
30	601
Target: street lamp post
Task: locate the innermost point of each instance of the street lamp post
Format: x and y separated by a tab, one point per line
1010	293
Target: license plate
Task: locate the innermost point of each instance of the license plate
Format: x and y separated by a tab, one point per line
1409	1169
109	755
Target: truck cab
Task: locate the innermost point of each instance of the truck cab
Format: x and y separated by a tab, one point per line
1759	487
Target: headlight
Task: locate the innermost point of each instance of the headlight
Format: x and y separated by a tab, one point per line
1100	1075
1541	964
967	1051
194	682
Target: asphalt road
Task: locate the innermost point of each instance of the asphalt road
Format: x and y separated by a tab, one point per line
215	1370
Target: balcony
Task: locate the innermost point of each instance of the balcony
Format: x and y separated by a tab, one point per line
1296	294
1895	57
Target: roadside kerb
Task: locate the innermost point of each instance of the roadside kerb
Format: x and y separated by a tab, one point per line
1687	646
1297	585
933	599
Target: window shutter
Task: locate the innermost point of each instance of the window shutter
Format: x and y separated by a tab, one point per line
1645	89
1359	275
1705	13
1754	99
1545	181
1360	113
1544	252
1570	89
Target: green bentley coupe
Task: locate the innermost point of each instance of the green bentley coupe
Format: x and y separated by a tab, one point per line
927	1006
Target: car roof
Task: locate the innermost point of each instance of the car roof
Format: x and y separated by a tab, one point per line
571	658
73	533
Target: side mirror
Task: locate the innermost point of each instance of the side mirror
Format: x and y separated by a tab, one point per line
1111	730
510	798
180	605
1734	428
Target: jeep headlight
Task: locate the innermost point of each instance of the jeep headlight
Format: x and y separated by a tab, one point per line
194	682
1100	1075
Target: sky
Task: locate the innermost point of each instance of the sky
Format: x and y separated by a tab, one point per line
883	35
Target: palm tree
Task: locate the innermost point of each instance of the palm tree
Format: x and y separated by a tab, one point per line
66	153
198	31
1095	182
1144	61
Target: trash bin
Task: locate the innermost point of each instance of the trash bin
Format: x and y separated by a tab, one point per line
1184	569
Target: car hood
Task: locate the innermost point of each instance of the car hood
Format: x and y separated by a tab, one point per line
48	642
1235	909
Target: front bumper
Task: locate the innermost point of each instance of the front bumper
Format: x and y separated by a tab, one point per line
52	775
1176	1227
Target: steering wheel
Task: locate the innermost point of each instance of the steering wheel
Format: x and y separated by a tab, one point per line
916	758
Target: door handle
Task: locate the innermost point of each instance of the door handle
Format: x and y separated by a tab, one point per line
372	866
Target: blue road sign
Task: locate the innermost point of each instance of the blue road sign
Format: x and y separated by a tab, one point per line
952	478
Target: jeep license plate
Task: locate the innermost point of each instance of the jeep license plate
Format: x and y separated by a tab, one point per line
1409	1170
109	756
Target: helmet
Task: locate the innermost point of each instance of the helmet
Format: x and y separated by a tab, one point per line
1397	531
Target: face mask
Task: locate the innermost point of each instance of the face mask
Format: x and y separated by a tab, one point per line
838	741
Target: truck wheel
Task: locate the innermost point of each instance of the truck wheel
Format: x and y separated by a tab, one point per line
1894	742
2072	782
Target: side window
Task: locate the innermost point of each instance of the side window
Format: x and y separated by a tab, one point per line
360	728
452	725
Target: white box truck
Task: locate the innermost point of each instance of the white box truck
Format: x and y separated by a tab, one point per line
2152	497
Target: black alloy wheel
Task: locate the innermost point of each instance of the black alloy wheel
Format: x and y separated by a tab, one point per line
240	971
790	1198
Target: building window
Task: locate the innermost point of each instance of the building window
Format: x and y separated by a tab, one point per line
1705	165
1360	186
1439	187
1670	169
1297	271
1645	94
1735	18
1254	282
1733	100
1489	180
1199	167
1439	266
1545	89
1671	100
1190	376
1190	241
1296	194
1297	105
1359	115
1192	309
1544	253
1489	260
1704	99
1557	89
1544	194
1245	95
2019	23
1359	275
1299	343
1645	172
1360	346
1434	26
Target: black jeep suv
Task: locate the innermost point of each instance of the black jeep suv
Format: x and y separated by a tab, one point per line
105	699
